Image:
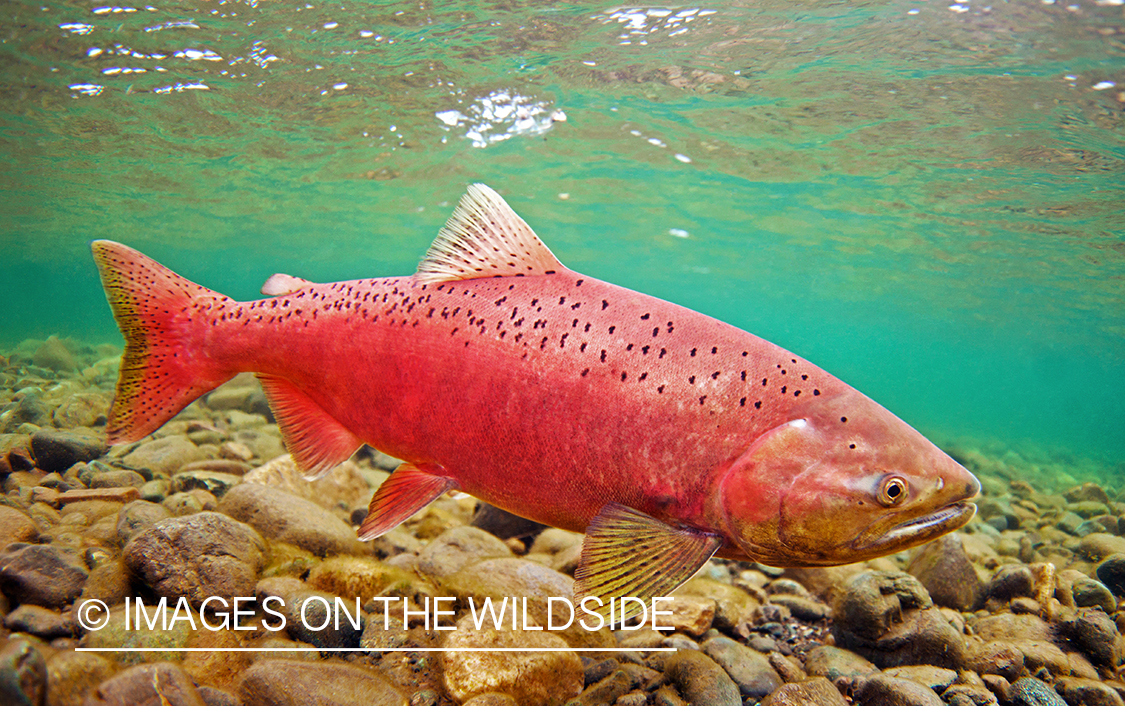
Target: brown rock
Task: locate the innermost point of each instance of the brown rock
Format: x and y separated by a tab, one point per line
285	517
948	574
71	675
198	556
120	495
1087	692
457	548
43	575
816	691
700	679
159	684
16	526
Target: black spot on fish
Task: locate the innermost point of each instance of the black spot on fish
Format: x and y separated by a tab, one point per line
662	353
582	348
743	376
562	300
660	390
758	404
764	381
816	393
691	380
851	446
586	328
603	356
579	283
605	305
742	402
623	376
562	341
796	393
804	377
629	347
643	376
701	399
714	350
692	352
585	372
611	328
783	389
715	375
844	419
644	318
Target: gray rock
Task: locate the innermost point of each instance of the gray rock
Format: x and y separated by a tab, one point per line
309	614
885	690
159	684
749	669
834	663
59	450
276	681
287	518
701	680
1069	522
23	674
41	622
54	355
944	568
201	555
816	691
1111	572
137	517
1089	593
1099	545
503	524
213	482
457	548
969	695
1011	581
84	409
1029	691
874	600
605	691
29	409
41	574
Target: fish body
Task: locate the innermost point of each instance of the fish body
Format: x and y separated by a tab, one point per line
495	370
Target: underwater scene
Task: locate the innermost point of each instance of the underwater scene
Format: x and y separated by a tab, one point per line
924	202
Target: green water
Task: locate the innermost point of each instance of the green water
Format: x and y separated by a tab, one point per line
925	198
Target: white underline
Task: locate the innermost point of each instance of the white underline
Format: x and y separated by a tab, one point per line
385	649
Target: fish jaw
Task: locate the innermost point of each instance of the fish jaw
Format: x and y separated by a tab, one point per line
844	481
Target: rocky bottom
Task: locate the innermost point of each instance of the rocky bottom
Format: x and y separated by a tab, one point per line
227	579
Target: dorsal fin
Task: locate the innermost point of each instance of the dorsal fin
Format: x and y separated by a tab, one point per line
485	238
280	284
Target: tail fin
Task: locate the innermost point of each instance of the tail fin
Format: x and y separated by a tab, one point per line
159	314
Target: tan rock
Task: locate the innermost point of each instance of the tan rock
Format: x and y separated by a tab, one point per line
531	678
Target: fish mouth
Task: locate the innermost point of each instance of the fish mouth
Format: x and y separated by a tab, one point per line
917	530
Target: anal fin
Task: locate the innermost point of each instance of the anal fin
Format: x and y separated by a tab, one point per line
316	440
629	553
409	489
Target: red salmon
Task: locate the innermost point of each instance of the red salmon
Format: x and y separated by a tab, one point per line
666	435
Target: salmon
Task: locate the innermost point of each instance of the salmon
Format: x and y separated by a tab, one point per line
665	435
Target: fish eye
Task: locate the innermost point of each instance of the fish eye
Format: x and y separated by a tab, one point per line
892	491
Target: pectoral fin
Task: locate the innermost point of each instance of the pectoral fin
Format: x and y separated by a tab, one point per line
629	553
409	489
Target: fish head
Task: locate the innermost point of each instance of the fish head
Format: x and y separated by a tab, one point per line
842	481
